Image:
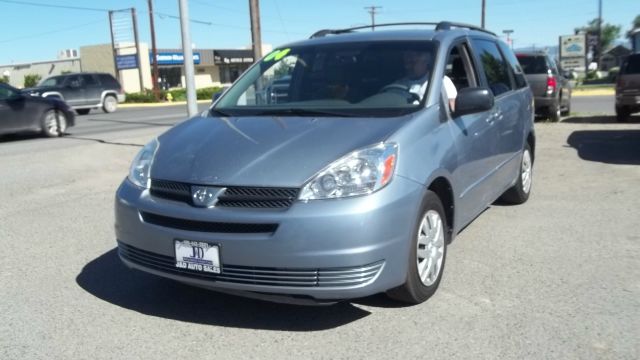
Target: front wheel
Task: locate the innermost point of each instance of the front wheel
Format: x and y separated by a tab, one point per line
519	193
427	254
54	123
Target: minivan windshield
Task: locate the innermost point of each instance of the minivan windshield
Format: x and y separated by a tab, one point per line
338	79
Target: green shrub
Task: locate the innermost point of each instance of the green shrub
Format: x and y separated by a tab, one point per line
31	80
176	95
143	97
4	79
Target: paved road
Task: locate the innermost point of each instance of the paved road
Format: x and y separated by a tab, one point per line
556	278
593	105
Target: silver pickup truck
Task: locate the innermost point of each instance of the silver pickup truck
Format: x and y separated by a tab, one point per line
551	89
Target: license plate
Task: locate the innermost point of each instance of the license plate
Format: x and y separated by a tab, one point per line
198	256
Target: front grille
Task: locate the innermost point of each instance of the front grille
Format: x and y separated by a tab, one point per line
233	196
206	226
331	277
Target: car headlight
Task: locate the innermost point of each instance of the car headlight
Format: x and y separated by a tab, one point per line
140	171
361	172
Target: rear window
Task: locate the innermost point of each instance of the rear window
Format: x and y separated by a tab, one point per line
632	65
533	64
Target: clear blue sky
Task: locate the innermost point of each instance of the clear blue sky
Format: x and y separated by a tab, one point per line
32	33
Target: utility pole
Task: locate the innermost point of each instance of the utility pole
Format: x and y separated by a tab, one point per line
189	73
372	11
508	33
484	6
256	38
154	53
599	31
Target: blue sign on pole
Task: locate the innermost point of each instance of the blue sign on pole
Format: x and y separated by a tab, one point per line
173	58
124	62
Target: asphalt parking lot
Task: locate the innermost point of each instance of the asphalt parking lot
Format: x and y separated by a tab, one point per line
555	278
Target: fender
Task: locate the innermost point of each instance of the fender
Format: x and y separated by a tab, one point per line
52	93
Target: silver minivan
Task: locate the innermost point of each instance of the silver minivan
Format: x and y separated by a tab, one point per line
351	180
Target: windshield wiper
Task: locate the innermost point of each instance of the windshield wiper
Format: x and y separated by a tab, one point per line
304	112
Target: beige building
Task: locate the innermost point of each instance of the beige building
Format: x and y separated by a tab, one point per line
213	67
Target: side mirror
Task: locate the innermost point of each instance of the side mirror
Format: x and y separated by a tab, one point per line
473	100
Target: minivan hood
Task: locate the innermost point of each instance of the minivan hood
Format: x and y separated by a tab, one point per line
262	150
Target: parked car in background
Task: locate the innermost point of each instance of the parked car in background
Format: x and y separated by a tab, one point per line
20	112
551	88
628	88
82	91
350	180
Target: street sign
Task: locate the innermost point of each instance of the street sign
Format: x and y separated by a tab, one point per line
572	46
575	63
124	62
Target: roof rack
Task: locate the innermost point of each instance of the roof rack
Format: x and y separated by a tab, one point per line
443	25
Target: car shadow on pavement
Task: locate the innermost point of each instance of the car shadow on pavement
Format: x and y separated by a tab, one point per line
107	278
599	119
607	146
20	137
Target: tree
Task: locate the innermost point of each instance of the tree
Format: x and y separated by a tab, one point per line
31	80
636	22
609	32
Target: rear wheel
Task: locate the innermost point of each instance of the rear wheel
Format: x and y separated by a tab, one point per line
427	254
554	112
83	111
622	114
519	193
54	123
110	104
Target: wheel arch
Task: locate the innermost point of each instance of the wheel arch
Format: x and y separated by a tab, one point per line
441	186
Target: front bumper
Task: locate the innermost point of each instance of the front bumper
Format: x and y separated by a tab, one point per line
345	248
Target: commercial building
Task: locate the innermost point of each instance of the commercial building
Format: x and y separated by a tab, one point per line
213	67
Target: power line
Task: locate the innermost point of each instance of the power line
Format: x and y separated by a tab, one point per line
53	6
281	21
163	15
50	32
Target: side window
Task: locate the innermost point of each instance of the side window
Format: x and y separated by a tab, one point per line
6	93
516	69
494	65
459	68
88	80
73	80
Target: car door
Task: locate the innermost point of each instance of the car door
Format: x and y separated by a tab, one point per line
474	136
73	91
15	112
92	89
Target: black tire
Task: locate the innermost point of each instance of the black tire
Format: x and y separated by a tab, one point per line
554	112
109	104
414	291
567	109
518	193
54	123
83	111
622	114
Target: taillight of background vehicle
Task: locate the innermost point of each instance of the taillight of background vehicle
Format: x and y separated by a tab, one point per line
552	84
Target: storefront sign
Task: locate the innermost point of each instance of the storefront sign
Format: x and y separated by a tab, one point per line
572	46
221	57
175	58
124	62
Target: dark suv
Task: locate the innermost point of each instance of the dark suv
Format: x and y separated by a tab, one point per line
628	88
551	89
82	91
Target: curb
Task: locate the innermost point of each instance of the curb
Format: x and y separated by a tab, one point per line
593	92
162	104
